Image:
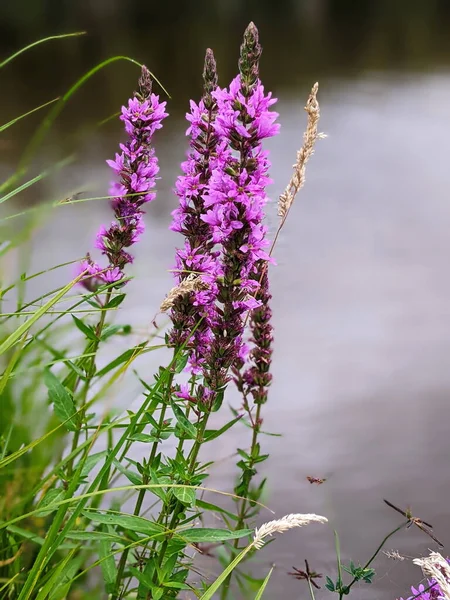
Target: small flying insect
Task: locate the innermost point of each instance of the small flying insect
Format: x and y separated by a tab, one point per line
422	525
315	480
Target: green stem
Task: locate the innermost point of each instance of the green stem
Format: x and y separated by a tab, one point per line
192	462
243	504
372	558
141	495
90	372
188	411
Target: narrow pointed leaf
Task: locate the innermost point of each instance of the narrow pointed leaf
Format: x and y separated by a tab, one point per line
62	401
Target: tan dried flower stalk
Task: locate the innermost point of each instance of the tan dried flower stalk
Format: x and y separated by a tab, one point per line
192	283
281	525
310	137
393	555
437	567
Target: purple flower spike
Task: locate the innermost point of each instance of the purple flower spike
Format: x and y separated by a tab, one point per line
235	199
197	256
137	168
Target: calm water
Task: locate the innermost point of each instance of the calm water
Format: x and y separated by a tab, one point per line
361	313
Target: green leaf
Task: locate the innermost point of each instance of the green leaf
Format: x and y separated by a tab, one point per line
64	583
107	565
52	496
181	362
86	329
144	580
115	301
212	435
176	545
132	476
218	400
213	535
183	422
95	536
263	587
111	330
91	461
185	495
62	401
329	584
126	521
214	507
145	438
27	535
178	585
57	574
124	357
17	334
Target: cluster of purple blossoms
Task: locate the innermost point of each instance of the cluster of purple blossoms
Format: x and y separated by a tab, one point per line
222	194
137	167
221	213
198	256
235	200
430	592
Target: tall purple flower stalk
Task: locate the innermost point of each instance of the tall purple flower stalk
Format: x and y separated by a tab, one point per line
137	167
235	199
197	257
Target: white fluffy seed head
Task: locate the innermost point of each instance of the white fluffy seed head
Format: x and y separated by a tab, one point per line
281	525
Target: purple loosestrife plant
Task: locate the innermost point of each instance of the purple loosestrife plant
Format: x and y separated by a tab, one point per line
137	167
235	199
256	379
197	257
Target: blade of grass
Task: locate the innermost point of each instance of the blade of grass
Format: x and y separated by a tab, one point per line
57	574
47	122
9	582
224	575
67	201
12	363
39	177
16	335
41	41
38	274
264	585
30	112
123	488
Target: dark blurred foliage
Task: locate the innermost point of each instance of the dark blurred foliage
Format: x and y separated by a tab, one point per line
303	40
301	37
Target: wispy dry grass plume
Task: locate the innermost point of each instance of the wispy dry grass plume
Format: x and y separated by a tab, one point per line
192	283
281	525
310	137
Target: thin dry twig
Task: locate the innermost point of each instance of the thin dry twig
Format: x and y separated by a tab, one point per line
393	555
